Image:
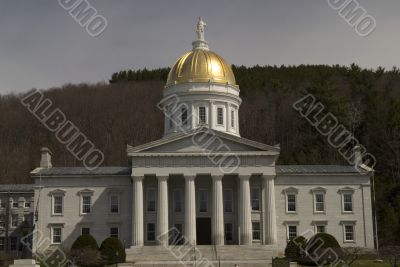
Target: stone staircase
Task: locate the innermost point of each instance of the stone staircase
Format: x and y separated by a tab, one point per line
224	256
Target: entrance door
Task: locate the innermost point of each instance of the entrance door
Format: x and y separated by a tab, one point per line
203	231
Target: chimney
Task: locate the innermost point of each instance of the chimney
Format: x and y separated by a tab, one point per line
45	161
357	155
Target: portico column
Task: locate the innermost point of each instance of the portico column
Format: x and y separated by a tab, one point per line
190	210
137	214
245	226
217	212
270	215
162	211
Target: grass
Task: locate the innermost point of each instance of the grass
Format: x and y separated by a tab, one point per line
369	263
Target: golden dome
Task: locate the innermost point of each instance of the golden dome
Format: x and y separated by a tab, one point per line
201	65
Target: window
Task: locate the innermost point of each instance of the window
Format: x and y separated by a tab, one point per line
178	200
292	231
151	232
85	231
27	204
2	243
348	232
203	200
319	200
114	204
86	204
2	221
184	116
228	232
114	232
15	203
255	198
202	115
56	234
220	116
14	220
13	243
151	200
228	200
348	202
232	119
256	231
28	218
3	203
320	229
57	205
291	202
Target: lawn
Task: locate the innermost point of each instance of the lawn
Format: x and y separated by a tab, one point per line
369	263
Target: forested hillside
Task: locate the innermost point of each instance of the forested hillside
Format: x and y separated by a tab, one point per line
124	112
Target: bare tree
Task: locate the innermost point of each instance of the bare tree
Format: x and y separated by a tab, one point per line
349	255
391	254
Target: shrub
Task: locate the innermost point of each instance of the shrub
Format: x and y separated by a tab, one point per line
86	257
322	240
306	261
323	249
85	241
295	248
112	251
85	251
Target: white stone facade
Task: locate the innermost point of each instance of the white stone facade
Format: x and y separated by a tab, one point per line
71	219
333	218
147	199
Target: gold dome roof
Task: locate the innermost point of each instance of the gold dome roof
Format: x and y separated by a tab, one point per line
201	65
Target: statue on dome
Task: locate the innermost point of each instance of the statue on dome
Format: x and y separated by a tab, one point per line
201	25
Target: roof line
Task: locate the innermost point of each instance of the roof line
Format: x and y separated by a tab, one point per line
181	135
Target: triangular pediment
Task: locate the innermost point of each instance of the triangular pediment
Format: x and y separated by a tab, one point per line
204	140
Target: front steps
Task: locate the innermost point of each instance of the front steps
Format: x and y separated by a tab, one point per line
224	256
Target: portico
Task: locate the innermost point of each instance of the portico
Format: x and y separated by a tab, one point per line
215	209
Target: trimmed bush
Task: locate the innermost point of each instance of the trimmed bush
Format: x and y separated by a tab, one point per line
322	240
306	262
85	241
112	251
85	251
323	249
295	248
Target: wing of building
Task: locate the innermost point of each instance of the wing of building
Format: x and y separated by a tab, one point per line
16	220
203	182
